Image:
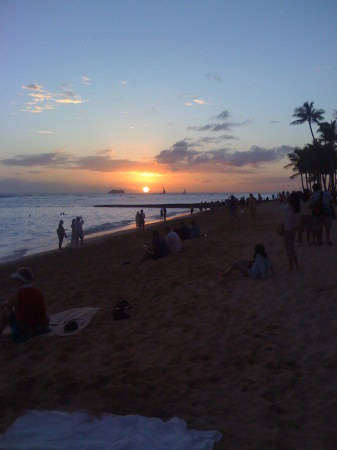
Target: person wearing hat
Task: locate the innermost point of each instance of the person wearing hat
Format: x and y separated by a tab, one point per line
61	233
25	312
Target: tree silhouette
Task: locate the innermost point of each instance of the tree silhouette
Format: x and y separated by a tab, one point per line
307	113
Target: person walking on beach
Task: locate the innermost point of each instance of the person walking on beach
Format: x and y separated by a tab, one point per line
291	225
61	233
25	311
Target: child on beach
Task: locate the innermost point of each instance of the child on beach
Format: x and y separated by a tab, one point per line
260	267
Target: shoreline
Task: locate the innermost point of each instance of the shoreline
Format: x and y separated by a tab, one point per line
91	239
254	359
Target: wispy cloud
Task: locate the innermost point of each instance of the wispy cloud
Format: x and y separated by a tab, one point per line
86	80
101	162
43	131
40	99
226	125
322	68
214	76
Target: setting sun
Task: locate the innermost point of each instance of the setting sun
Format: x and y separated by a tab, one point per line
146	189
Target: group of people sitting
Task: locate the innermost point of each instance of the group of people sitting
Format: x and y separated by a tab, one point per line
162	246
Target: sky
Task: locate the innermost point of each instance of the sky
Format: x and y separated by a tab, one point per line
186	94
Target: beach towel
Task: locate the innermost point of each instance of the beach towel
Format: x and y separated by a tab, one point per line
60	323
67	323
79	430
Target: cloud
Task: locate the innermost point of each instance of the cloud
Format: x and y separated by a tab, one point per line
86	80
32	87
200	101
224	115
40	99
226	124
181	156
43	159
43	131
207	140
321	68
101	162
214	76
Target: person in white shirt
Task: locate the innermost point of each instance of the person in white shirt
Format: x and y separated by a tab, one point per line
173	240
260	267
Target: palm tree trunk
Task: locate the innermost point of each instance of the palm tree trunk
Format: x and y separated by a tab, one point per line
312	134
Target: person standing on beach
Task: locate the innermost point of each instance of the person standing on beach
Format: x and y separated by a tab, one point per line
252	203
25	311
61	233
291	225
137	219
142	220
320	203
79	230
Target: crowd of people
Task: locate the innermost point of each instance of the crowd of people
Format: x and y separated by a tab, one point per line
309	212
305	212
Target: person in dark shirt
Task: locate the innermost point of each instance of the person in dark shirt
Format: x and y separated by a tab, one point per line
158	248
184	231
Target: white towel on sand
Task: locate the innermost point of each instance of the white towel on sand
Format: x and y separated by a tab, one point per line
82	316
80	431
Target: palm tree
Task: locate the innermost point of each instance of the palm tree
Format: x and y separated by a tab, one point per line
328	132
307	113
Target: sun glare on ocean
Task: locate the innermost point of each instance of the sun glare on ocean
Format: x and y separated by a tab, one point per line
146	189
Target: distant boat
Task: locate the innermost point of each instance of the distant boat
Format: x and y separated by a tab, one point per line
164	192
116	191
184	191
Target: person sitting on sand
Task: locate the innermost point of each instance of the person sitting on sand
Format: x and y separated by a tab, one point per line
184	231
25	311
173	240
158	248
195	230
260	267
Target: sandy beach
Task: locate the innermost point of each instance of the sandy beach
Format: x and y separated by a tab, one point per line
255	359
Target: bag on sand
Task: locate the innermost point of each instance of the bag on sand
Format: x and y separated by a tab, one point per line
280	229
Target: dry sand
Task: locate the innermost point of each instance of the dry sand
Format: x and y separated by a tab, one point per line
255	359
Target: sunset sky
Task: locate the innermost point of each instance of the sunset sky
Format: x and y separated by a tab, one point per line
194	94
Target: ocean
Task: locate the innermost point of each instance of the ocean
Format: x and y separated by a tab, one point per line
28	222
